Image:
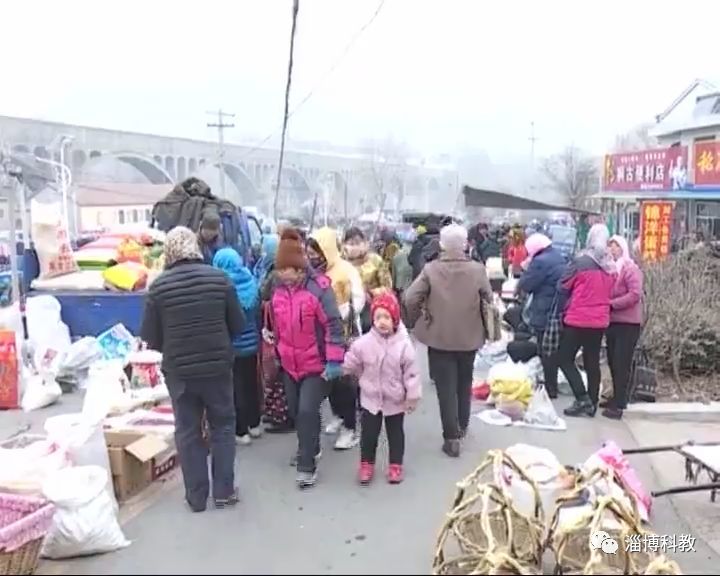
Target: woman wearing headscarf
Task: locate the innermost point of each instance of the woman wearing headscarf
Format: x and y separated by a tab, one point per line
625	320
584	299
540	281
373	270
266	263
191	316
445	306
245	374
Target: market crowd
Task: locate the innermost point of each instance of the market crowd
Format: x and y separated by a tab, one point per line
323	317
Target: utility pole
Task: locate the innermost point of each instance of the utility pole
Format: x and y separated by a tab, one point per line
221	125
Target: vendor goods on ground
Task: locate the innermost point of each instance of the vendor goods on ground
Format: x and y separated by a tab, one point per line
484	531
497	524
24	523
9	372
607	524
85	520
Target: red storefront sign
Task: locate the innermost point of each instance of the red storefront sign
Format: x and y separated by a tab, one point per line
655	230
661	169
707	164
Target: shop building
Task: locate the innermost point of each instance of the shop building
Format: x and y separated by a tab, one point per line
684	168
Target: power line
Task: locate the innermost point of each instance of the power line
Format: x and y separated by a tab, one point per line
286	115
221	125
328	73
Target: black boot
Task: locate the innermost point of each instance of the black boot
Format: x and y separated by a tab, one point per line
451	448
583	407
613	413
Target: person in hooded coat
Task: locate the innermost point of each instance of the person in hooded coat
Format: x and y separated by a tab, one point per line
245	367
373	270
584	294
324	257
191	315
626	315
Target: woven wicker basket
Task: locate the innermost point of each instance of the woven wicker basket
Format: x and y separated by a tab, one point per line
484	533
570	541
24	522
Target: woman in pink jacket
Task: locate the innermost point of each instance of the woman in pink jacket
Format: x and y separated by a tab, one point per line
309	342
384	361
625	321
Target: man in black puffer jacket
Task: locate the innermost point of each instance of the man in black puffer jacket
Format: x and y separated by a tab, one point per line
191	315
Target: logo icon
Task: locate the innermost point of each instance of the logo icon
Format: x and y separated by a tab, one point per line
601	540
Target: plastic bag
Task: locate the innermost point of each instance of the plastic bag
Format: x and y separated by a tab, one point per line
24	470
127	276
541	411
107	385
612	456
146	369
117	343
80	356
40	391
81	436
129	250
53	250
9	371
11	319
85	520
542	466
48	336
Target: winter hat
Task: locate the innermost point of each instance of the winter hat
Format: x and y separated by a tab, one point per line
535	243
388	302
453	239
290	252
181	244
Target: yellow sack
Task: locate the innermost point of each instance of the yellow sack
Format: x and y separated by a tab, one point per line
510	382
512	391
128	276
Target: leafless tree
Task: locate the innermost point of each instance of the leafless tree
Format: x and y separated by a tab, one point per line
638	138
573	175
386	170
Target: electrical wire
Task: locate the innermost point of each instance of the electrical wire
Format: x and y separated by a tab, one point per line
348	47
286	115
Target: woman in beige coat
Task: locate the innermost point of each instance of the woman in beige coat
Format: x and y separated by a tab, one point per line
445	306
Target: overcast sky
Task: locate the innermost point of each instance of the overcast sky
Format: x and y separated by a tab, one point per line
436	73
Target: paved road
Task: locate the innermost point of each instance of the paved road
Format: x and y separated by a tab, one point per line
339	527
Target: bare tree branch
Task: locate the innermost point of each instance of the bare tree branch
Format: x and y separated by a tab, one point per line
638	138
573	175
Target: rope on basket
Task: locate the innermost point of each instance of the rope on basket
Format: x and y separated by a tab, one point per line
628	518
492	555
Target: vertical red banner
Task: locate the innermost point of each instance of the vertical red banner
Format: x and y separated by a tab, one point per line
655	230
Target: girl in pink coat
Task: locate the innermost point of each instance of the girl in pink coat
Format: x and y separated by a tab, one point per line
384	361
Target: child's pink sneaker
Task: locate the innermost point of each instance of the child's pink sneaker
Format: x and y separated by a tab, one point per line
366	472
395	473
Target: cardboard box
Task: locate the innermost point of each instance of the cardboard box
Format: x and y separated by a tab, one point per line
138	459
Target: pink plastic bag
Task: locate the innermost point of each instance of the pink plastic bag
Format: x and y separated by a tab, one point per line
612	455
